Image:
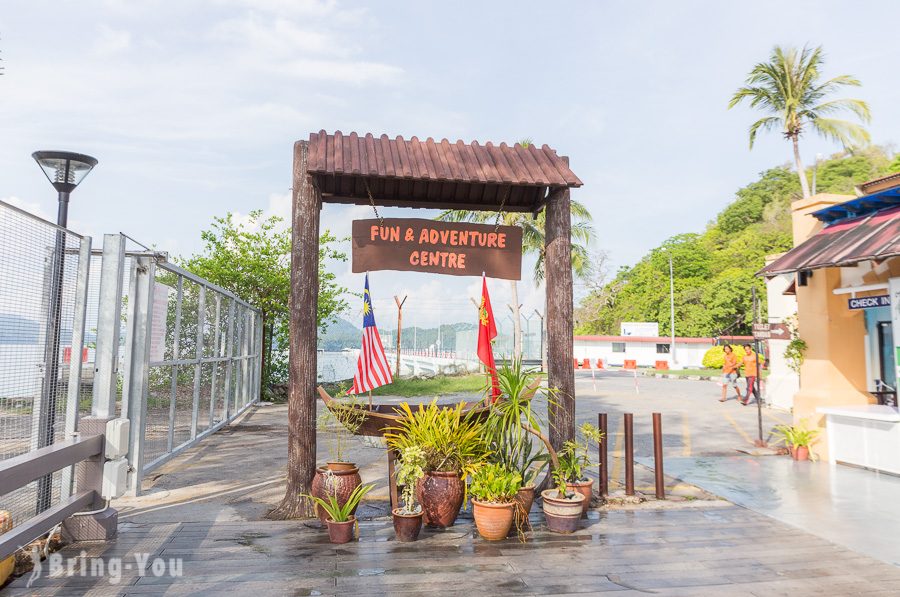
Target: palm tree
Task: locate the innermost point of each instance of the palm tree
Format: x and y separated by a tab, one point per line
788	86
533	244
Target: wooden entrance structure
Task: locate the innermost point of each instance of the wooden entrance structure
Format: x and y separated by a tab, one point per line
380	171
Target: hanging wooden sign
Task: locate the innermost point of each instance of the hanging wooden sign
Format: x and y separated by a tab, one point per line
453	248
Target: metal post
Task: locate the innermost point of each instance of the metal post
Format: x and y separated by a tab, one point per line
216	353
137	363
760	442
658	457
602	424
543	356
229	364
75	362
109	323
399	331
198	356
629	454
176	354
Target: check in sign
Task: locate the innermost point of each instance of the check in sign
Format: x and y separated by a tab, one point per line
869	302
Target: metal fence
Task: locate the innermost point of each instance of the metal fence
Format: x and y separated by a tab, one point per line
183	354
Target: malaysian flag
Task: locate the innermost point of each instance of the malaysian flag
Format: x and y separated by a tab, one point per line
372	369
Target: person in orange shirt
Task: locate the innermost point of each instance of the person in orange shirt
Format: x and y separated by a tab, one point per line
751	373
730	374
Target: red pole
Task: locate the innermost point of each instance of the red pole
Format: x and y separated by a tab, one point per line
604	456
629	454
658	456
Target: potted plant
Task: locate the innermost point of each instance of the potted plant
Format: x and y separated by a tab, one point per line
510	426
453	443
340	520
493	491
798	439
340	476
562	506
573	460
408	517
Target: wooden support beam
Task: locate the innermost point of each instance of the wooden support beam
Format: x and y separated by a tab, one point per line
302	360
558	268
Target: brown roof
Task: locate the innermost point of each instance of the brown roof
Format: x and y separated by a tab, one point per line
442	175
875	236
880	184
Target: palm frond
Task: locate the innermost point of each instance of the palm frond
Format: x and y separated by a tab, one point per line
844	132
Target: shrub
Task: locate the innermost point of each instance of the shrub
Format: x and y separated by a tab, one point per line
715	356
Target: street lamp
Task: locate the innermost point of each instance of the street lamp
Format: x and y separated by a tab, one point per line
65	170
671	307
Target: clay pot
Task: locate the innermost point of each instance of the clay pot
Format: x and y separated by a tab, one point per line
525	497
585	488
337	483
341	532
407	526
562	515
493	520
441	497
800	452
340	466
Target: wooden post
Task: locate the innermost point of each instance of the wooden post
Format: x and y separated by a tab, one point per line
558	268
399	331
301	465
603	425
658	457
629	454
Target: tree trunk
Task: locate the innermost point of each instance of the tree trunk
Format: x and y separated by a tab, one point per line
558	271
517	321
301	465
801	171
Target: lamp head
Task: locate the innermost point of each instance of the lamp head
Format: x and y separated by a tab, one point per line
64	169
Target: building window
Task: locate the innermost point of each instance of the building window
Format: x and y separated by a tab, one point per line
662	349
618	347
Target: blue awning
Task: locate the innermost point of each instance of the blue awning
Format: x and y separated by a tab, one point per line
861	206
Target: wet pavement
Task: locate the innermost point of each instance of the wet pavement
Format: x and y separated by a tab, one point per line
856	508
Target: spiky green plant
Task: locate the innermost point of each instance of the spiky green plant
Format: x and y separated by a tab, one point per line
338	512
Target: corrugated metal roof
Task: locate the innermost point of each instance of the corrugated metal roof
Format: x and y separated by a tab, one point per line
436	174
875	236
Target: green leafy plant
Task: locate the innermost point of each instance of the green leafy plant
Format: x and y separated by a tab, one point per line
573	458
714	358
798	435
343	419
794	351
341	513
451	441
410	469
493	483
562	487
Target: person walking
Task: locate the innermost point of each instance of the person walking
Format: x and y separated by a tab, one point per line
750	373
730	374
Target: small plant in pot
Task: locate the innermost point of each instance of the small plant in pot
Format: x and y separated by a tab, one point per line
799	440
340	477
562	506
453	443
574	460
408	517
494	504
340	520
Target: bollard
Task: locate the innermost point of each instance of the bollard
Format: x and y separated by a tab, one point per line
658	456
604	456
629	454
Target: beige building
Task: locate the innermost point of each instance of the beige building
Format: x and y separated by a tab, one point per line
845	270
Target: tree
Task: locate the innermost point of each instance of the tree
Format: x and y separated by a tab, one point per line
533	244
252	260
789	87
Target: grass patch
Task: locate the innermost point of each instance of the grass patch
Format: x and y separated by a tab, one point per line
433	386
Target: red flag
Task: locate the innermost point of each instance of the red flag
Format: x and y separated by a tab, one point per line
487	331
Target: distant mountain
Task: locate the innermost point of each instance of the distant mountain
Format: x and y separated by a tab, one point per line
340	335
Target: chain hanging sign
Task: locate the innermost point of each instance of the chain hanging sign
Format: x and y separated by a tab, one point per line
453	248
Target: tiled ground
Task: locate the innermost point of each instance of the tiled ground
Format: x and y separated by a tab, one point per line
723	550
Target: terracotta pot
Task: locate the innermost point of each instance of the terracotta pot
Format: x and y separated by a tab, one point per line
493	520
800	452
407	526
341	532
562	515
337	483
585	488
525	496
441	497
340	466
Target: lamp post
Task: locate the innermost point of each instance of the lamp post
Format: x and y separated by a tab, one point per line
65	170
671	307
543	356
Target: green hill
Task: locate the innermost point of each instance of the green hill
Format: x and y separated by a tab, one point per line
714	271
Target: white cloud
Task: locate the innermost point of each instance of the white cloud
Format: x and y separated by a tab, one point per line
110	41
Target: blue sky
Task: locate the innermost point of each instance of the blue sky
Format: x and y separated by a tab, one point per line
192	107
